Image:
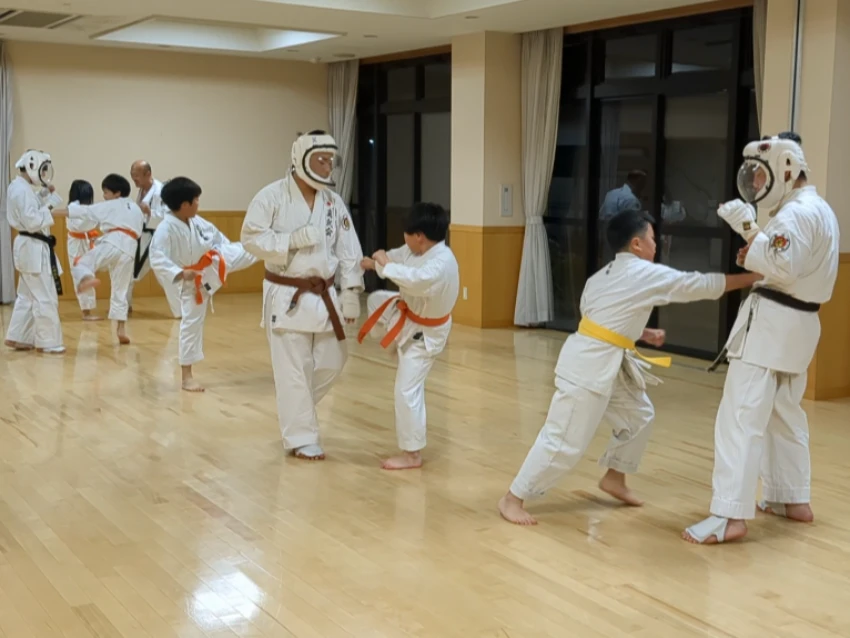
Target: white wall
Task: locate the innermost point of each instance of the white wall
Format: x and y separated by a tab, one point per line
228	123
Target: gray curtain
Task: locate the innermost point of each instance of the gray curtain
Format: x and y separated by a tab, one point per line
759	38
342	104
7	268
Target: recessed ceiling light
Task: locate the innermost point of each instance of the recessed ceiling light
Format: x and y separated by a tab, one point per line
471	17
370	36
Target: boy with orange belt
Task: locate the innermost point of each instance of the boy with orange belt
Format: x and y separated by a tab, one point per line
82	234
120	220
417	319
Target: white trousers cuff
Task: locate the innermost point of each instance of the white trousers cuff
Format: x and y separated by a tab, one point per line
618	465
295	442
733	509
786	495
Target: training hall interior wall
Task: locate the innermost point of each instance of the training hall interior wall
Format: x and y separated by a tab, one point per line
226	122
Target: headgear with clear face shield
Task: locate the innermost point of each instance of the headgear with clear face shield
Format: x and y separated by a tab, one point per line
38	167
314	158
771	168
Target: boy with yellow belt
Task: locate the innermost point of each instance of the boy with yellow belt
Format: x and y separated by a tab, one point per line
418	320
599	373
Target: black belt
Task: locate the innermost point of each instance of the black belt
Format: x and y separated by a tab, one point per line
784	299
50	240
141	257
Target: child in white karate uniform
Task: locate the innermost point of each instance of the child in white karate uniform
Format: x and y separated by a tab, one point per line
189	251
417	320
82	235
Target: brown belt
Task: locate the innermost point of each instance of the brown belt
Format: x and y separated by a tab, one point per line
316	286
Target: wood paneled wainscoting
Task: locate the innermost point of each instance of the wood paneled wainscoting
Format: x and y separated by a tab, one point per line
228	222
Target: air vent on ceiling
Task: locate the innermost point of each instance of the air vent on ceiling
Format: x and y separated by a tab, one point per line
34	19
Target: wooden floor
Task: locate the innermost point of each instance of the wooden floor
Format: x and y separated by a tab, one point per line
130	508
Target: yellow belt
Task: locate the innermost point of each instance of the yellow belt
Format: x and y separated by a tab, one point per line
593	330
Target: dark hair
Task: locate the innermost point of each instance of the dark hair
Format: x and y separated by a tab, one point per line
625	226
431	220
81	191
116	184
178	191
791	135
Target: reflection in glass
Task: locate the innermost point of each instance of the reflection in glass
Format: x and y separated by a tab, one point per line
401	84
693	325
632	57
438	80
707	48
625	171
436	158
695	130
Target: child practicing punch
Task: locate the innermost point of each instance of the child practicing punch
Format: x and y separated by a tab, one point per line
120	220
191	252
599	373
416	320
82	234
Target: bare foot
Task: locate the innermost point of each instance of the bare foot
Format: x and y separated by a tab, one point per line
92	318
404	461
22	347
614	483
309	453
800	512
88	284
511	509
190	385
123	340
57	350
735	531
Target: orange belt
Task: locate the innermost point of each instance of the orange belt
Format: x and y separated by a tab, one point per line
203	263
89	236
126	231
396	329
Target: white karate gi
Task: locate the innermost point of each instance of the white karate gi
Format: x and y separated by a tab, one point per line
761	427
429	285
159	211
178	245
35	319
115	251
76	249
306	355
595	380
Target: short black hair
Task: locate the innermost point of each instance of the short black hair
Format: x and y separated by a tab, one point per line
625	226
178	191
431	220
116	184
81	191
791	135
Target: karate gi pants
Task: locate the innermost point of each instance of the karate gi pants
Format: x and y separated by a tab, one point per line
35	318
574	416
120	265
305	366
761	428
414	364
76	249
193	314
172	290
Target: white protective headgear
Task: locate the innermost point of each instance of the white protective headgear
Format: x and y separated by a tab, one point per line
38	166
775	156
302	151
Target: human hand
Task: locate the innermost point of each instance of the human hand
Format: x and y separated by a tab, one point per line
742	256
350	305
381	258
653	336
741	217
368	263
145	209
305	237
189	275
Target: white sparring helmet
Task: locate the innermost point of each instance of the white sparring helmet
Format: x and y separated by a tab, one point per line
38	167
775	156
304	148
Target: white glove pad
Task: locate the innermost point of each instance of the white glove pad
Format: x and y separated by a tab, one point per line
350	304
54	201
741	217
305	237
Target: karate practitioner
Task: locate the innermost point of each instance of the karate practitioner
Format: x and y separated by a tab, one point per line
191	252
417	319
120	220
599	373
29	201
303	232
82	234
761	428
149	199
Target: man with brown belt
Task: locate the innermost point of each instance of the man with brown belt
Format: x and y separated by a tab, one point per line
303	232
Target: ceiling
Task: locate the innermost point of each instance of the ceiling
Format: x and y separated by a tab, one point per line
314	30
